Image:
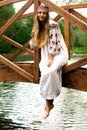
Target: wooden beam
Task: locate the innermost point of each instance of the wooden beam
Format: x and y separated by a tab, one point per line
78	15
74	65
7	2
36	65
21	17
66	15
67	35
75	6
14	43
7	74
15	17
16	68
20	51
36	4
76	79
36	50
26	15
67	7
57	17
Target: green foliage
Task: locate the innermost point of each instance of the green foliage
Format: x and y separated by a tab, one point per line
78	40
80	50
82	38
6	12
4	47
20	31
24	30
61	24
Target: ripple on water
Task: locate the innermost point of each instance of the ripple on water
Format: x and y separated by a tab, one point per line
22	107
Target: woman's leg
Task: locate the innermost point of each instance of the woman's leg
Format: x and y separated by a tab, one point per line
48	107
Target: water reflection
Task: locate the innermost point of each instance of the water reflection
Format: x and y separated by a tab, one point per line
74	110
21	107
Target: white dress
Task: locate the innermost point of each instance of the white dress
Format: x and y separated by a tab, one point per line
51	77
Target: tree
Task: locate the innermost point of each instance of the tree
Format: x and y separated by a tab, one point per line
20	31
77	38
6	12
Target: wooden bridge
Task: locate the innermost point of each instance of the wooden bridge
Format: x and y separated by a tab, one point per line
74	73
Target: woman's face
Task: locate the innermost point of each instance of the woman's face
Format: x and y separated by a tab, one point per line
42	15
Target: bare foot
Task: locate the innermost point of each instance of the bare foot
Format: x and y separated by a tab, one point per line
47	111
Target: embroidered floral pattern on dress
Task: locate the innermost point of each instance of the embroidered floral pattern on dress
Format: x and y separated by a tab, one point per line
52	26
54	44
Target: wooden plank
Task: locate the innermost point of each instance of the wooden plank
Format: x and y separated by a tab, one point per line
14	43
75	6
36	50
66	15
7	2
21	17
36	65
36	4
7	74
74	65
16	68
57	18
76	79
67	35
15	17
26	15
78	15
20	51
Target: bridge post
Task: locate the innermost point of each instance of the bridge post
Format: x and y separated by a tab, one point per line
67	35
36	65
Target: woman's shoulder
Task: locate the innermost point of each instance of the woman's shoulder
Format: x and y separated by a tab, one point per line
53	24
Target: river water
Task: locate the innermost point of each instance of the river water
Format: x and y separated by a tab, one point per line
22	108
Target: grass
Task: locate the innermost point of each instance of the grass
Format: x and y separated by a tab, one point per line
79	53
80	50
22	57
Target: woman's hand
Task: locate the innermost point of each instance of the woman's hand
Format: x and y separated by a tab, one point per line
49	63
50	60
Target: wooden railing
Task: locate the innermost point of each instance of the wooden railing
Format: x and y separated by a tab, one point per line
70	17
35	53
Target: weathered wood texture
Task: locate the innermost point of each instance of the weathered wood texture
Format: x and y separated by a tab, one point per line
76	79
16	68
8	74
72	65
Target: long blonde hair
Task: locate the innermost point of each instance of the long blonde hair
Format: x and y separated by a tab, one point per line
41	31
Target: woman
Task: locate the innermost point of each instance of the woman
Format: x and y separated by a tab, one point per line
47	36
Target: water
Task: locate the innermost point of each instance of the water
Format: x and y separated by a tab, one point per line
22	108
